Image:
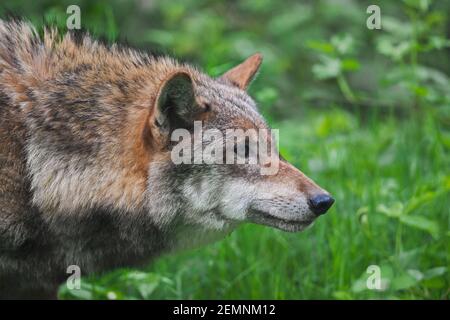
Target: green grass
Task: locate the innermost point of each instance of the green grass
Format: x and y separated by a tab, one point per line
390	176
391	181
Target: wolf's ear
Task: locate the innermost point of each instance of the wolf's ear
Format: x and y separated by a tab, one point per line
175	103
243	74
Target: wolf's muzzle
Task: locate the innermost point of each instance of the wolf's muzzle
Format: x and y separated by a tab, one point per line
320	204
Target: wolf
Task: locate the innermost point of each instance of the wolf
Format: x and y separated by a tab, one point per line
86	175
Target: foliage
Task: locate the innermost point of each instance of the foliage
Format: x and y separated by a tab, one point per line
392	200
374	129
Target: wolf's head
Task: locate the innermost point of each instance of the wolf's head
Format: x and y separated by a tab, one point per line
208	190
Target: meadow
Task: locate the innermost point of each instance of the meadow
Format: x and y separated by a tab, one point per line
391	210
365	113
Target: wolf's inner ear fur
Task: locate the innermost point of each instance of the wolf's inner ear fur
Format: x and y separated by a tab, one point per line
175	104
243	74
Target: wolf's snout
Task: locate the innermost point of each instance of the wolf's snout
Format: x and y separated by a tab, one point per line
319	204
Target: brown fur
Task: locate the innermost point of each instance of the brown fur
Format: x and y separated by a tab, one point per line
86	176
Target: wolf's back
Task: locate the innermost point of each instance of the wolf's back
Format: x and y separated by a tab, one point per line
19	46
15	40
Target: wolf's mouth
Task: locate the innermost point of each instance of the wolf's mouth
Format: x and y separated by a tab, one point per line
265	218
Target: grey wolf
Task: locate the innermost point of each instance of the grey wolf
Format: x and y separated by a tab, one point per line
86	176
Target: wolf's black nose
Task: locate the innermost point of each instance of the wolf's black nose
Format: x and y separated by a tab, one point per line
319	204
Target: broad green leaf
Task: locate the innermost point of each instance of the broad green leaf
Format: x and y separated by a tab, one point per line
434	283
396	27
344	44
327	68
436	42
421	223
87	291
405	258
350	65
321	46
267	96
416	274
392	48
147	288
404	281
418	4
342	295
162	37
289	20
394	211
418	201
435	272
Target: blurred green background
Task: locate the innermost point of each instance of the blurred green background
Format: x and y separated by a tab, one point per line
365	113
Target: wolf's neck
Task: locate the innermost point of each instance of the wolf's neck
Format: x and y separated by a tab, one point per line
84	107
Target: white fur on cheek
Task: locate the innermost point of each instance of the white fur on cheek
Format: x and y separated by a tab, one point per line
238	194
201	194
203	199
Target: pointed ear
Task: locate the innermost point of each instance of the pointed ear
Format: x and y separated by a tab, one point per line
175	103
243	74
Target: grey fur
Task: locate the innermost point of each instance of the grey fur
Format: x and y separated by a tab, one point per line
72	191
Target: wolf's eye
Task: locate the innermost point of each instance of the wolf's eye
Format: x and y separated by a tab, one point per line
246	148
207	107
